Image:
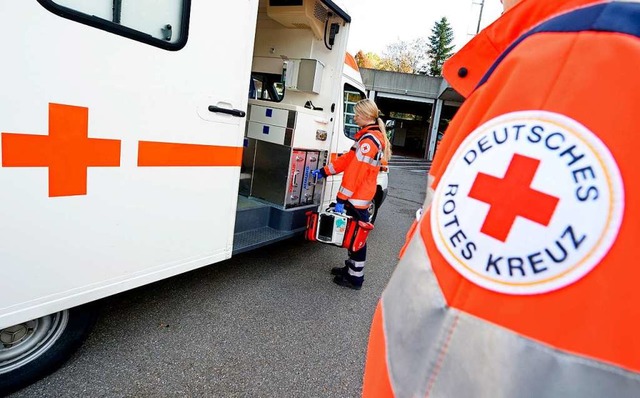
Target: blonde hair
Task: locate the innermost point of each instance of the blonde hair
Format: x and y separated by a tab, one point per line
369	110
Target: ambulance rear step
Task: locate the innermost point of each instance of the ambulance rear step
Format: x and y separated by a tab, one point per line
259	223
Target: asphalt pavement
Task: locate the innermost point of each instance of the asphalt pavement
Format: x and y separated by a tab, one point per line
268	323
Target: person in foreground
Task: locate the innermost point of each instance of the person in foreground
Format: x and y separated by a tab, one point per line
361	166
521	277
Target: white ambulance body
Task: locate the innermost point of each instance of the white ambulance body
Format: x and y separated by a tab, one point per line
142	139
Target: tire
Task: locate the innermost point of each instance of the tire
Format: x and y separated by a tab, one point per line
373	209
36	348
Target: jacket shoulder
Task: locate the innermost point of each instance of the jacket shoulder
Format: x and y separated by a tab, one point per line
621	17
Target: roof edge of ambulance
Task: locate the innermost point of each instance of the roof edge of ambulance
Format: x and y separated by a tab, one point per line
350	61
351	72
338	10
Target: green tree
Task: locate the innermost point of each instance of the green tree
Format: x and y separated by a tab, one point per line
440	47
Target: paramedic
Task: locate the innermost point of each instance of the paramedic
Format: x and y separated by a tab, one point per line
361	166
520	279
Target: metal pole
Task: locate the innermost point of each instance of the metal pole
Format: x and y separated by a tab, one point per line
481	3
436	112
117	11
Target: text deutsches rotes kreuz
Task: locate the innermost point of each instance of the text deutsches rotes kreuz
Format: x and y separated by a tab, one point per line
560	248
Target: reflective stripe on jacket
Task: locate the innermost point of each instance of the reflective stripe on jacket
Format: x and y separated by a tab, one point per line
361	166
505	292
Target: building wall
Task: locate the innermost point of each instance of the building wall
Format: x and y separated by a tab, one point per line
430	98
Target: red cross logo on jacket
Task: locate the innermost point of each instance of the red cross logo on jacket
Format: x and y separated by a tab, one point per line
512	196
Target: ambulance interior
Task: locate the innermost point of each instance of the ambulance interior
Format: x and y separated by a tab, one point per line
296	99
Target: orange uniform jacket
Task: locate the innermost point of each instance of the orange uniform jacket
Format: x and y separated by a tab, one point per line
521	278
361	166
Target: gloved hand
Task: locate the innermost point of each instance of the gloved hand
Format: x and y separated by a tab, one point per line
318	174
339	208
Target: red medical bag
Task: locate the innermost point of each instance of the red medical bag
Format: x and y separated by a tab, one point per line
337	229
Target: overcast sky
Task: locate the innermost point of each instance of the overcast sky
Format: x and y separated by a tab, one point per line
378	23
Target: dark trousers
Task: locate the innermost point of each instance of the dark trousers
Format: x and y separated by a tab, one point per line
356	266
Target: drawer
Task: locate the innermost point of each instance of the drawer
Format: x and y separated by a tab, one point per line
269	133
272	116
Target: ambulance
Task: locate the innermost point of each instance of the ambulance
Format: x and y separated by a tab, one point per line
146	138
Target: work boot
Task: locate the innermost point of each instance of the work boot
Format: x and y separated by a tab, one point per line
342	270
346	281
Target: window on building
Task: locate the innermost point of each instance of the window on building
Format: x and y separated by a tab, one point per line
405	116
161	23
351	96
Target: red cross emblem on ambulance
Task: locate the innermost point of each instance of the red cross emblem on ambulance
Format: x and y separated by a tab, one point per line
68	152
530	203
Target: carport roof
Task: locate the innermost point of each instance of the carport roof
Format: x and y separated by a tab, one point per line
409	86
449	94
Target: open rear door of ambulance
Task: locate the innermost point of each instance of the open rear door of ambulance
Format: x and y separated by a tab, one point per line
122	127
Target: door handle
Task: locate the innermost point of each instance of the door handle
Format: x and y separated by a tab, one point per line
232	112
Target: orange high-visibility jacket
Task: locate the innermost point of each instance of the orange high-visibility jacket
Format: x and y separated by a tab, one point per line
521	277
361	166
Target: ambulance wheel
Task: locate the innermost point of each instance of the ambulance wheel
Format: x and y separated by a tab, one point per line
34	349
373	209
